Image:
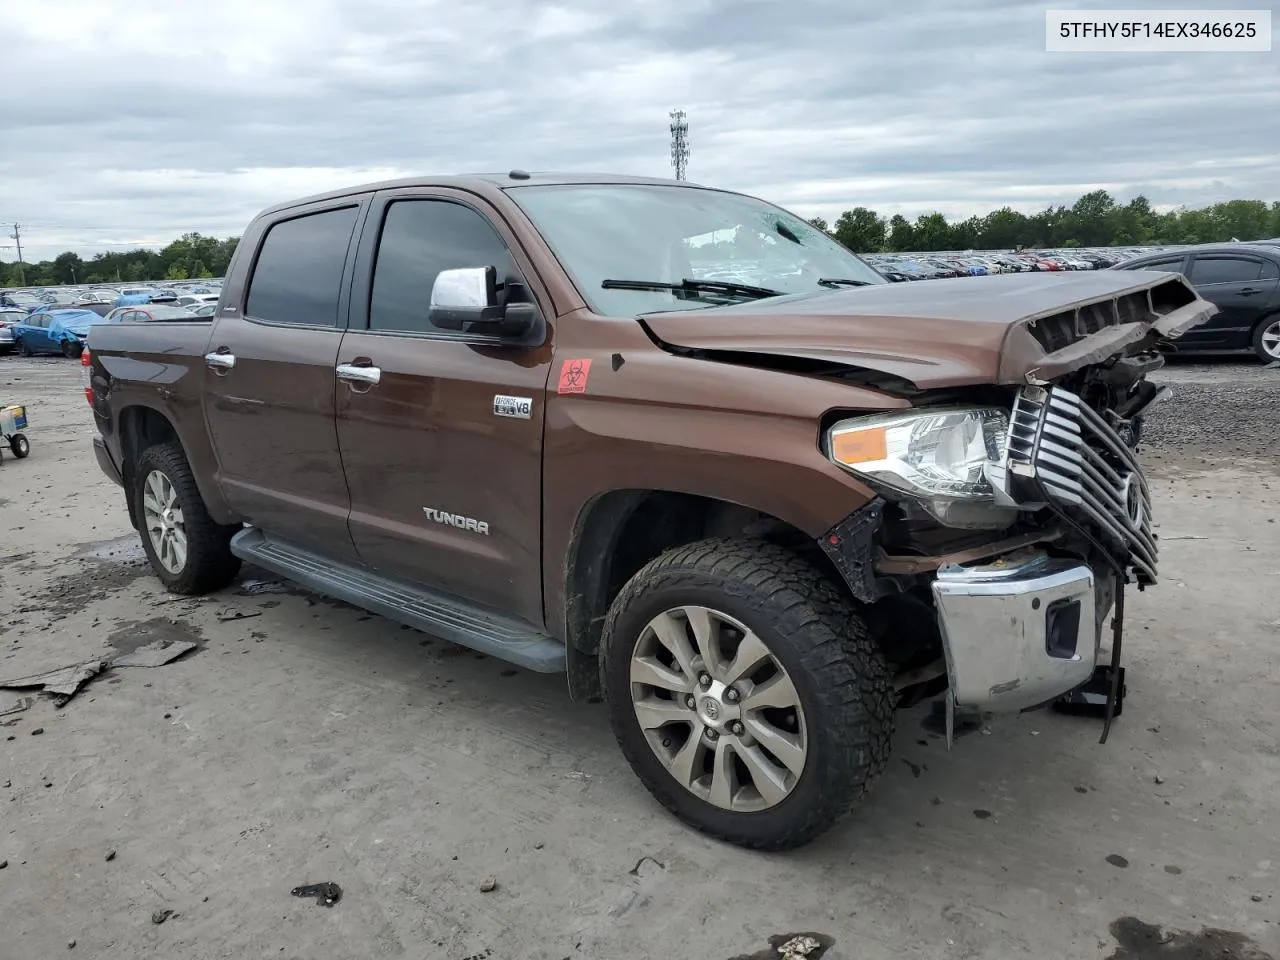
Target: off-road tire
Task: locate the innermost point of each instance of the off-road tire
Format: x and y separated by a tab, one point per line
818	636
210	564
20	445
1256	340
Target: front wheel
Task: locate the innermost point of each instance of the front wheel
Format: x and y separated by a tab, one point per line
189	552
20	445
1266	339
71	349
746	692
25	349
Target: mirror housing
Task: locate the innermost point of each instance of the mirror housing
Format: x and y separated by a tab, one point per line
466	299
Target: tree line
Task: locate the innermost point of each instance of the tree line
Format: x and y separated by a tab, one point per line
191	257
1095	220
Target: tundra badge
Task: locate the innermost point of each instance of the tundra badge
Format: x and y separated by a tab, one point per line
457	520
518	408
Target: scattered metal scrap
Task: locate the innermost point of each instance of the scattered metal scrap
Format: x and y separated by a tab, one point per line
229	613
65	682
11	703
326	894
155	654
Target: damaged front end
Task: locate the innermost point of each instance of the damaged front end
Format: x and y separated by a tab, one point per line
1006	567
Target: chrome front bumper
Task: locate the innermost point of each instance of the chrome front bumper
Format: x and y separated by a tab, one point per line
1019	631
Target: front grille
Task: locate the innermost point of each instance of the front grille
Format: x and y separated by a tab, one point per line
1074	460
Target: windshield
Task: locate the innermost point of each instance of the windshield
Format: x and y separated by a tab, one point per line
668	234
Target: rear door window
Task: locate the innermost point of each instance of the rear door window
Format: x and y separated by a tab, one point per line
1171	265
298	276
1210	270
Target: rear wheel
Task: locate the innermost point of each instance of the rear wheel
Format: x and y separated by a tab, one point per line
1266	339
189	552
71	349
25	349
20	446
745	692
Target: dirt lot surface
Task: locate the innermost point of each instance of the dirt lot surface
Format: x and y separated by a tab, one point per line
170	811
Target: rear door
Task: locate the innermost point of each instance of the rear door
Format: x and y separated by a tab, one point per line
269	384
443	453
1242	287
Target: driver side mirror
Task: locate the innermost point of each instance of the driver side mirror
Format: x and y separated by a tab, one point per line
466	299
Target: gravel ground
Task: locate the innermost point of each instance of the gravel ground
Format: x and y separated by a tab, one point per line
170	811
1229	409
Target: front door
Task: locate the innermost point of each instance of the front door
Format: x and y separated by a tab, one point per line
443	454
270	382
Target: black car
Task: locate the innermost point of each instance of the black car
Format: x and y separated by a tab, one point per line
1242	280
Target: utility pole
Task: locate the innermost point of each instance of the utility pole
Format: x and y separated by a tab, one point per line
16	237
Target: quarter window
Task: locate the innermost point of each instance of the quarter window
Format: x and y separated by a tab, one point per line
419	239
298	277
1207	270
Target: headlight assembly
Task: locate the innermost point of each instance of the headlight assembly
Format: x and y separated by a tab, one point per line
935	457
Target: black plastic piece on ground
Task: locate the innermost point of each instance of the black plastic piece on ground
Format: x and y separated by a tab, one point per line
1090	700
326	894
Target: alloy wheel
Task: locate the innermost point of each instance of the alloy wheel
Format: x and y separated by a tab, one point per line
164	522
718	709
1270	339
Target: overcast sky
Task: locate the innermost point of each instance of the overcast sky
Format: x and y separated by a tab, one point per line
127	122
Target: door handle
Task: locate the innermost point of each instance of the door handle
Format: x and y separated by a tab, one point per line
220	361
1249	292
353	374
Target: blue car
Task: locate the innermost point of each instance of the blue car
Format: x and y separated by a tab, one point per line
54	331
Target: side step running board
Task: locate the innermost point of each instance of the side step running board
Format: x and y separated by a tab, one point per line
427	610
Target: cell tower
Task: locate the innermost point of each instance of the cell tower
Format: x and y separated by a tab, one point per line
679	143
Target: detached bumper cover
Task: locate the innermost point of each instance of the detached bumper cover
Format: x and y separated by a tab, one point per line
1017	632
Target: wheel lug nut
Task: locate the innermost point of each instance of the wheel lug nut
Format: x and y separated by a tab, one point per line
736	728
731	695
690	702
704	680
712	735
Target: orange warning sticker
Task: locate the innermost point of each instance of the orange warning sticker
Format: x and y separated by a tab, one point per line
573	376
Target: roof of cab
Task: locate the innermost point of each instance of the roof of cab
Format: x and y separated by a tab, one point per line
478	183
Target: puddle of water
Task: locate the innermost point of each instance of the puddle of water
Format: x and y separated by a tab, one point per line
1145	941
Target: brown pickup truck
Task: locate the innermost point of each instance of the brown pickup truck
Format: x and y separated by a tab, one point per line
671	441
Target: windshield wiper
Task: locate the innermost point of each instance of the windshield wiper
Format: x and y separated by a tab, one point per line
695	286
838	282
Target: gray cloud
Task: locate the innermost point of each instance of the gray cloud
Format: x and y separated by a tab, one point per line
163	117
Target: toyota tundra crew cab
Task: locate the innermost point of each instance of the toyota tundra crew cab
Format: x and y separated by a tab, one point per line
673	442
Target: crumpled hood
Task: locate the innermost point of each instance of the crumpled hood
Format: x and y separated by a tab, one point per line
1009	328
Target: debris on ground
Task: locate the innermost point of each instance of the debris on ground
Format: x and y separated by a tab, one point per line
488	884
160	916
37	731
155	654
253	588
14	704
228	613
636	870
793	946
111	855
325	894
62	683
